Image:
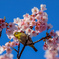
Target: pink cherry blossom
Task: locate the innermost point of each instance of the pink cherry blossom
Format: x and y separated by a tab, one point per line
7	45
4	47
26	16
12	26
3	25
8	56
45	46
38	17
33	23
53	47
49	26
0	28
50	54
31	18
17	20
35	10
43	7
28	31
10	30
52	33
33	33
1	21
57	32
1	49
9	50
2	57
13	44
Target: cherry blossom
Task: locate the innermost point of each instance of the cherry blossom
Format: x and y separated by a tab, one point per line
1	49
6	56
8	50
13	44
17	20
53	46
49	26
57	32
2	24
52	33
35	10
43	7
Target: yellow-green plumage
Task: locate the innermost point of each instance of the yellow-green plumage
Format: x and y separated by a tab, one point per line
22	37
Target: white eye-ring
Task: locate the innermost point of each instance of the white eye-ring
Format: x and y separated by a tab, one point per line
16	33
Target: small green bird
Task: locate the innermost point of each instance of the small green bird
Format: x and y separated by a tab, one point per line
22	37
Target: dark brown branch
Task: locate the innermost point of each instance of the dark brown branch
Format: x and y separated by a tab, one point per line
39	40
22	49
14	49
18	50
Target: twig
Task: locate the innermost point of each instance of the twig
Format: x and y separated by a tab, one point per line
22	49
14	49
18	50
39	40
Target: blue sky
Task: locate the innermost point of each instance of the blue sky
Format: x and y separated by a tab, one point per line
16	8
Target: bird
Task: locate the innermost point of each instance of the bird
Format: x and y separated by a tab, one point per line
22	37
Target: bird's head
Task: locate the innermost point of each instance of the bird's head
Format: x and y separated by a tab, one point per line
16	34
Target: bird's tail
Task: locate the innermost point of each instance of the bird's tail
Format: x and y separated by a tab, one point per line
34	48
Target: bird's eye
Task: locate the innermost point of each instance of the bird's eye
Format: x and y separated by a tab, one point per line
16	33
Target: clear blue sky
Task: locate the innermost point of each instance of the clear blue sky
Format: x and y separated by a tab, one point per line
16	8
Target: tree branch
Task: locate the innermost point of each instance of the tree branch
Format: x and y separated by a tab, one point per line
22	49
39	40
18	50
14	49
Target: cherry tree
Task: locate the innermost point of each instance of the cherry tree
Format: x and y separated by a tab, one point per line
31	25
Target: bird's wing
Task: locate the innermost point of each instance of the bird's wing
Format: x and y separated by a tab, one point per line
23	38
30	39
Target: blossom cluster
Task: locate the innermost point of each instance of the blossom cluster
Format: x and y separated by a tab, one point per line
8	50
10	29
2	24
52	46
32	25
